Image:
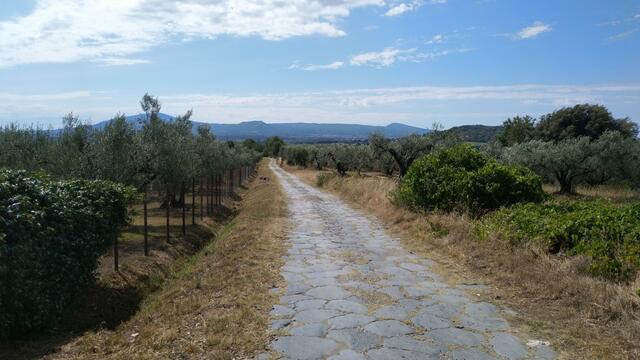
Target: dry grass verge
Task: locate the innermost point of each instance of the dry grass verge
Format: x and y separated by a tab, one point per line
216	304
583	317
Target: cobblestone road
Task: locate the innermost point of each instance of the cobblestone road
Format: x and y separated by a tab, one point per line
353	292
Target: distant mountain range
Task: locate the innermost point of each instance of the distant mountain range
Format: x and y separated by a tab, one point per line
290	132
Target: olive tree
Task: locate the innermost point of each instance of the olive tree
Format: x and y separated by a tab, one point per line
404	151
517	130
583	120
580	160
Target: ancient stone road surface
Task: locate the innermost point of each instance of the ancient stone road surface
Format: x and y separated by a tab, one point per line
353	292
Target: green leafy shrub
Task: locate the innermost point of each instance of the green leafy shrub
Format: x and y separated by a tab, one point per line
462	178
608	234
51	236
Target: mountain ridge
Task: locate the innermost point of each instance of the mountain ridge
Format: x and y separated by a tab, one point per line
291	132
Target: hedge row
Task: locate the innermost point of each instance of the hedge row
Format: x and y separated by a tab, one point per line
51	236
464	179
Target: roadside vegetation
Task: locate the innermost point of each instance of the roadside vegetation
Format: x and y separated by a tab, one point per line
216	304
566	259
52	234
68	197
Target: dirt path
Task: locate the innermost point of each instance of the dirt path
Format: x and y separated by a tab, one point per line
353	292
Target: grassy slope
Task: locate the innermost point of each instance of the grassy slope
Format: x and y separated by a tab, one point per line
582	316
217	305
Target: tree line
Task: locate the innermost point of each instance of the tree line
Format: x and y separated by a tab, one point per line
583	144
150	154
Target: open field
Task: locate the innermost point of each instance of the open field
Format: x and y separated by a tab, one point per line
585	317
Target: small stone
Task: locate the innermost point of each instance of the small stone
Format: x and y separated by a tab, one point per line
429	321
315	329
456	336
388	328
304	347
280	324
392	312
310	304
315	315
395	354
280	311
356	339
508	346
346	306
347	355
407	343
350	321
329	293
470	354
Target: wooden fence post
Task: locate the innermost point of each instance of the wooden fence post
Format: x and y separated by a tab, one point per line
193	201
115	252
184	208
146	225
212	192
208	186
168	212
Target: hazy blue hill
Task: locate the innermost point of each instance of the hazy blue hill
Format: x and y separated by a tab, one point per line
290	132
476	133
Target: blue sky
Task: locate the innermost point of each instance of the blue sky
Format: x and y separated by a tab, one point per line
353	61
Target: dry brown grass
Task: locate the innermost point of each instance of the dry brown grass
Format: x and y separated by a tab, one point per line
215	305
613	193
583	317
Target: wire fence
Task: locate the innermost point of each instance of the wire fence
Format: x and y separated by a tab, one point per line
207	194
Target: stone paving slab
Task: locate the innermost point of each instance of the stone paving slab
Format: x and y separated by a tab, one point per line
353	293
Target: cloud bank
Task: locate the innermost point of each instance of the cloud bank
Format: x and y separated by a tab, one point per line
110	31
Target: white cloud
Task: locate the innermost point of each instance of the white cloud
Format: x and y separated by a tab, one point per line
74	30
623	35
114	61
390	55
311	67
436	39
399	9
532	31
384	58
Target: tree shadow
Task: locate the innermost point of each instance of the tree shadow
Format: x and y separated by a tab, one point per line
100	307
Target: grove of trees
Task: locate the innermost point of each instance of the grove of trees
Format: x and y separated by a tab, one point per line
577	145
151	153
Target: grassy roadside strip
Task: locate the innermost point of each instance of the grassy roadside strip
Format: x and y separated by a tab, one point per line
217	305
582	316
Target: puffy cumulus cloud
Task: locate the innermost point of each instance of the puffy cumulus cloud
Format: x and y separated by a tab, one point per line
73	30
532	31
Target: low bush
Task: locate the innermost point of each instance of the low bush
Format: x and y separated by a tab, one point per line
463	178
51	236
606	233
